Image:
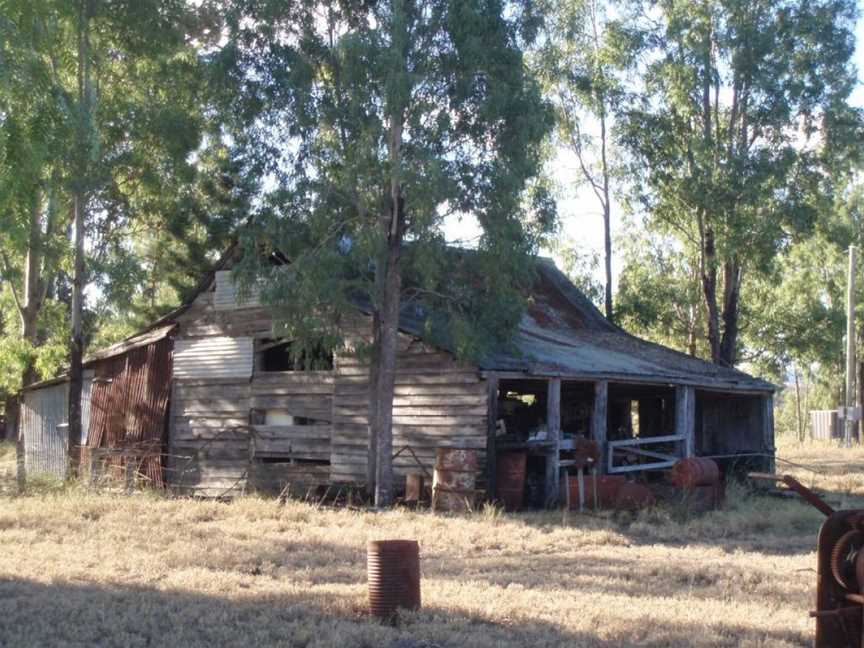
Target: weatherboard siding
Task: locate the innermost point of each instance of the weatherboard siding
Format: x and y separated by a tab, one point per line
213	357
227	295
438	402
217	447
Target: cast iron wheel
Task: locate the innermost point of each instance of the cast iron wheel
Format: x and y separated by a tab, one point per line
843	558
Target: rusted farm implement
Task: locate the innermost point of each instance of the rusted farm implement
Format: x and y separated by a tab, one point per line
839	610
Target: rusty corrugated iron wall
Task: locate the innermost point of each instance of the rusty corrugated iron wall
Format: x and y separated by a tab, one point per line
129	401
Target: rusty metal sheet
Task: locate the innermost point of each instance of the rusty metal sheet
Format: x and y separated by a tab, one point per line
129	401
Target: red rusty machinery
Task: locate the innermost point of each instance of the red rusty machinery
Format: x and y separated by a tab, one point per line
694	471
632	497
700	483
510	471
454	479
415	488
393	573
839	610
605	486
585	453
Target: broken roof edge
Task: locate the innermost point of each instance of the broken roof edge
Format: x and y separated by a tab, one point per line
578	299
136	341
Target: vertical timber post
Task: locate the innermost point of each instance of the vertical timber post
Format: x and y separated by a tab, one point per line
553	427
599	414
848	420
685	418
491	433
768	430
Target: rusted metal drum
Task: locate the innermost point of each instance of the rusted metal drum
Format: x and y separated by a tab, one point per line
454	479
393	572
700	499
414	487
607	489
632	497
510	470
586	452
695	471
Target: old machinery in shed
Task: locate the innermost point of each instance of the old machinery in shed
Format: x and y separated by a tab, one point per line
839	609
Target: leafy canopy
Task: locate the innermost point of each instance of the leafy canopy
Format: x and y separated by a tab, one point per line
316	88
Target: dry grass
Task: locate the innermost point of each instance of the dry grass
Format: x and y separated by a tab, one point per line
79	569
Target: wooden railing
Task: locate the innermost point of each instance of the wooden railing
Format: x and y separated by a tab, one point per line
634	447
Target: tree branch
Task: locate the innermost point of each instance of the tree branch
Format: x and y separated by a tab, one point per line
7	270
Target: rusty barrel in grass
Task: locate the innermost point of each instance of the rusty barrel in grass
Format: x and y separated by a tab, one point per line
393	572
454	479
695	471
510	469
607	490
632	497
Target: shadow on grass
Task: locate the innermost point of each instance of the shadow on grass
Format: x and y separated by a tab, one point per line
69	614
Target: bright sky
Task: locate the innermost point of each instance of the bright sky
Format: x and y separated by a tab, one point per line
579	211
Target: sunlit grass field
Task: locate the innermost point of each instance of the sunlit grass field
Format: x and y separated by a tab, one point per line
84	569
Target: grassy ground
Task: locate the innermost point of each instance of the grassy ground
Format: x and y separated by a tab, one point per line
79	569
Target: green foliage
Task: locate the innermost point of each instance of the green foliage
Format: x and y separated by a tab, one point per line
580	265
658	291
17	354
798	314
162	191
583	62
728	137
317	90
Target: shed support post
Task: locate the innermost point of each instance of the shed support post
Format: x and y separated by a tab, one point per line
599	414
491	433
94	466
685	418
130	474
553	427
767	420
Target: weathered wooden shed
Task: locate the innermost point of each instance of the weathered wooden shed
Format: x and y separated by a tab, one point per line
124	401
241	415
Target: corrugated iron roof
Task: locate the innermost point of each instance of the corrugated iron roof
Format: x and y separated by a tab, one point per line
563	333
138	340
134	342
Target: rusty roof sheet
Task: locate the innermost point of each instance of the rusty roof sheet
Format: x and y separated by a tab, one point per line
134	342
563	333
139	340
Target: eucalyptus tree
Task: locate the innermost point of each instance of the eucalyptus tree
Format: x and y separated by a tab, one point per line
743	115
583	61
370	124
34	129
103	106
659	294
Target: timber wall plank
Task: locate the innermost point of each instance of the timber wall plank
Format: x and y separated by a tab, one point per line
438	402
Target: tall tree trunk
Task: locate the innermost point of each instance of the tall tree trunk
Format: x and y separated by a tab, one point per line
28	307
386	379
731	292
80	182
76	341
389	278
692	329
607	218
799	419
708	262
372	453
606	204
